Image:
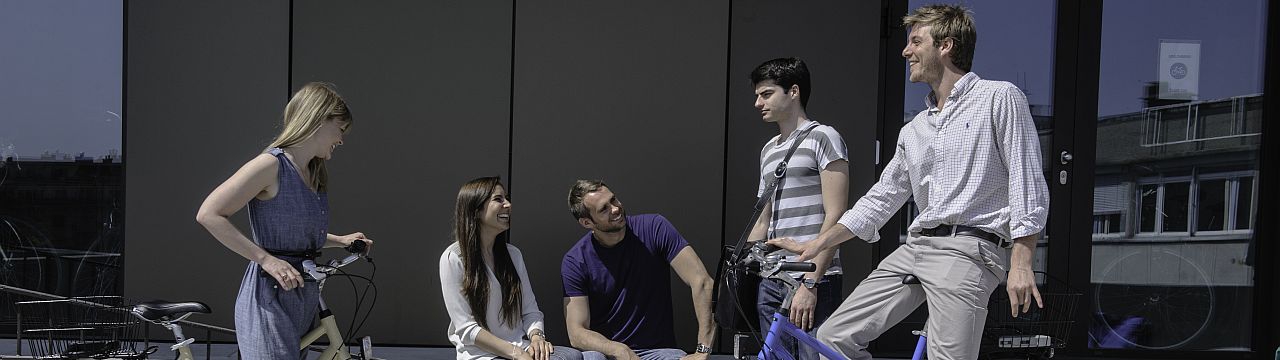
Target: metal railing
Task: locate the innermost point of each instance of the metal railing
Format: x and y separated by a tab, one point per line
1154	122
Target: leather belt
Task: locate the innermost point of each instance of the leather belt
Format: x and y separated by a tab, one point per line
294	258
951	230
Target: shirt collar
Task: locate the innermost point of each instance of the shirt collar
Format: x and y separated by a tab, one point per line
962	86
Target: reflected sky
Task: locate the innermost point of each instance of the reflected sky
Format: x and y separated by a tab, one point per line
60	77
1023	57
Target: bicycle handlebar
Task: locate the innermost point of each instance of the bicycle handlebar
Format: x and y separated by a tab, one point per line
320	272
797	266
763	260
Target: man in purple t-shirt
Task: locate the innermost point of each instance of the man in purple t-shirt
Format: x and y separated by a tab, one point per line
617	286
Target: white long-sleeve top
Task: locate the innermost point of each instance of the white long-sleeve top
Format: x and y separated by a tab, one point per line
463	327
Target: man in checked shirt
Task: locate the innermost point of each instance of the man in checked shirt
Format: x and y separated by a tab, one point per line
972	162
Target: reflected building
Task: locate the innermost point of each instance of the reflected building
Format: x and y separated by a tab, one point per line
1173	212
61	226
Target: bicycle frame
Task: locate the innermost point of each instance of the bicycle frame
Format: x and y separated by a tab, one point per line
782	326
329	328
328	325
183	346
774	267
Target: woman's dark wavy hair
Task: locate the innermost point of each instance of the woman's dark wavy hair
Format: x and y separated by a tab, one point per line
472	198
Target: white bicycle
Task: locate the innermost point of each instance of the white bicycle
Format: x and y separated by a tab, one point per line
169	314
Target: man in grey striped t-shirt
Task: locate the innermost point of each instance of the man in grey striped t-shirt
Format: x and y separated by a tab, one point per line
813	194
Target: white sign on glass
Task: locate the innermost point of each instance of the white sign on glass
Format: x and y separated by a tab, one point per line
1179	69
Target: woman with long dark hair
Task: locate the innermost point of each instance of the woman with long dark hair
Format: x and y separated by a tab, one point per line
486	289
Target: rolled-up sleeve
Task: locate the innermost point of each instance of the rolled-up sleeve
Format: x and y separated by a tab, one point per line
462	321
1020	149
884	199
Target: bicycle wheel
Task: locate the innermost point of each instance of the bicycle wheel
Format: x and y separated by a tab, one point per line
22	263
1138	311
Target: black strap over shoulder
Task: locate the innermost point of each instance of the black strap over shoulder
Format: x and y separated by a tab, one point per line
775	186
735	285
779	178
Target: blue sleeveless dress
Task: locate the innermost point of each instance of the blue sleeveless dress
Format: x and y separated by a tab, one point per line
270	321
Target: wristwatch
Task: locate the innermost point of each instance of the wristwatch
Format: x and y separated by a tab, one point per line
808	283
702	349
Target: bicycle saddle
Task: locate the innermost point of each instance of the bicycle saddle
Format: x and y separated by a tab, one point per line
164	310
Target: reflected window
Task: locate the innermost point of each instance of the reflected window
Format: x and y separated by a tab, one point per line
1225	203
1149	195
1173	211
1212	205
1112	223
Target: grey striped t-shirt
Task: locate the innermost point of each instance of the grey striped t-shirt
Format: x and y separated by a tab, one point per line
800	210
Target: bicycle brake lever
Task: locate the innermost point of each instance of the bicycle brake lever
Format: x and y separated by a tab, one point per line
313	270
347	260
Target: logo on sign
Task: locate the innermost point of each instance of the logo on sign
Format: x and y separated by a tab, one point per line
1178	70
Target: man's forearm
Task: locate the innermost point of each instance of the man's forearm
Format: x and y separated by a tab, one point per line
1023	253
702	308
833	236
821	263
824	259
588	340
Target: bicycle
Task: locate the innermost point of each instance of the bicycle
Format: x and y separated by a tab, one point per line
758	259
1033	335
169	314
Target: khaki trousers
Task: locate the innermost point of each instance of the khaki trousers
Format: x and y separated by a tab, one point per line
957	275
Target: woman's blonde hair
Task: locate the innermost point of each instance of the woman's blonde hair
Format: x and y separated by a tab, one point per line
309	108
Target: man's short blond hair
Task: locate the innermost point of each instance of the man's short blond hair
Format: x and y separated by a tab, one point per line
949	22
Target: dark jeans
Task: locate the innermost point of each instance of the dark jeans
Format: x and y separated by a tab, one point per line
773	292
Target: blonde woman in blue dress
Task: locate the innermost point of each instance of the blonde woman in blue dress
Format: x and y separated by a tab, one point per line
286	192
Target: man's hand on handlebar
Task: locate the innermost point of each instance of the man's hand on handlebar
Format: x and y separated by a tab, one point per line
807	251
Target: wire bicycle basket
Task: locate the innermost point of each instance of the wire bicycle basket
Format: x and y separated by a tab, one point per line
1033	334
94	327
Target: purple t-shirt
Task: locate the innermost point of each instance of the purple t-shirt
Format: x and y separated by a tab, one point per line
628	286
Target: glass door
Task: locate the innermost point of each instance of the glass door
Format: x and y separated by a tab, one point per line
1179	114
